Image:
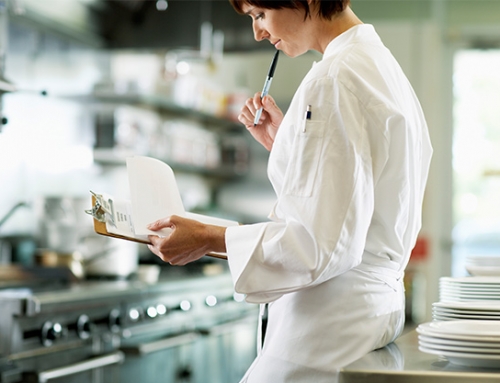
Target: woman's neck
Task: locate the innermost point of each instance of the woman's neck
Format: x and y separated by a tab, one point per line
327	30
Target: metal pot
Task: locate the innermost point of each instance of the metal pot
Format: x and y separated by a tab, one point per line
117	261
72	261
59	228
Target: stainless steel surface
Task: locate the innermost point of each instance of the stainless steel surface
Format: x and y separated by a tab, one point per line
101	361
402	362
190	347
82	331
162	344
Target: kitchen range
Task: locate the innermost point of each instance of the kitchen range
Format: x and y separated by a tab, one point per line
188	327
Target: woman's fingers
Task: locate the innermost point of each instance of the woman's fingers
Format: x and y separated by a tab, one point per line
274	112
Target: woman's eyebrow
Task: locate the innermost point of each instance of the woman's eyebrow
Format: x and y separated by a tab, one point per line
249	11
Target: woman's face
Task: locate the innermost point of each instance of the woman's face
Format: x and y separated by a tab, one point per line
285	28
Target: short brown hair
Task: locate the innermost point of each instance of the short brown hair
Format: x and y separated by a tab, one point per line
327	8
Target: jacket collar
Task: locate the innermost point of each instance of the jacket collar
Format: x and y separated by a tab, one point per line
357	33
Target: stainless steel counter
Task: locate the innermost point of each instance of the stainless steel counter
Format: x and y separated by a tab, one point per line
402	362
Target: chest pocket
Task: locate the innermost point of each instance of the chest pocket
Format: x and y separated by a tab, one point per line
304	159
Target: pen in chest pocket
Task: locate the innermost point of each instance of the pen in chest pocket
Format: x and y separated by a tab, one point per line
307	117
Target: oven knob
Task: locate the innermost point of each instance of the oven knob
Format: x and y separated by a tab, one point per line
184	305
151	312
161	309
135	314
83	326
211	300
237	297
50	333
114	320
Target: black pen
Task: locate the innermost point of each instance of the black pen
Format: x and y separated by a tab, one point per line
308	112
307	117
267	85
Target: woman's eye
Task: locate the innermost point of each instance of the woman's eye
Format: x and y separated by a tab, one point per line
259	16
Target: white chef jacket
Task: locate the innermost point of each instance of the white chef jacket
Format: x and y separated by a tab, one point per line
349	183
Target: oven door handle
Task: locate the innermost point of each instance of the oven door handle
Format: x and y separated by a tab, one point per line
162	344
90	364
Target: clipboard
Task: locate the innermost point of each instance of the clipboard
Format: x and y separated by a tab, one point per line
99	213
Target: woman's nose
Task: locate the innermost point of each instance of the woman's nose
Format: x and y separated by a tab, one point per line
259	34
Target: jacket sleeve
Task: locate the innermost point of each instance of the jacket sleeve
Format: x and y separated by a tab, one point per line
324	202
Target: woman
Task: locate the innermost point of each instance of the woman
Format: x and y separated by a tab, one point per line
349	181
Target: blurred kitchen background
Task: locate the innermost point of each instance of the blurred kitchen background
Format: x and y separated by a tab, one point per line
85	83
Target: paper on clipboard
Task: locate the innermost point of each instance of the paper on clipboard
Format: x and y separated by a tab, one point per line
154	195
153	191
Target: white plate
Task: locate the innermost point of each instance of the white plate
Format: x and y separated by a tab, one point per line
452	298
487	261
453	342
458	316
443	310
465	291
473	306
469	298
480	294
447	316
469	292
483	330
473	350
490	296
481	315
479	280
495	265
483	259
470	289
467	359
494	262
483	270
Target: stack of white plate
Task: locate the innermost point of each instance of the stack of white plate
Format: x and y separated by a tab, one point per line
464	342
483	265
463	289
480	310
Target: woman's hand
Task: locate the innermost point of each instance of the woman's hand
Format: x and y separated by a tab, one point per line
189	240
270	120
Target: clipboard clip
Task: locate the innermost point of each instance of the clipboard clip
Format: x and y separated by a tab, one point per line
99	210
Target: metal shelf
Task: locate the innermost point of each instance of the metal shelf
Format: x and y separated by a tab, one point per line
164	104
114	157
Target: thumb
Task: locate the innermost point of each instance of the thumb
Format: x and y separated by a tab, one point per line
275	113
160	224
